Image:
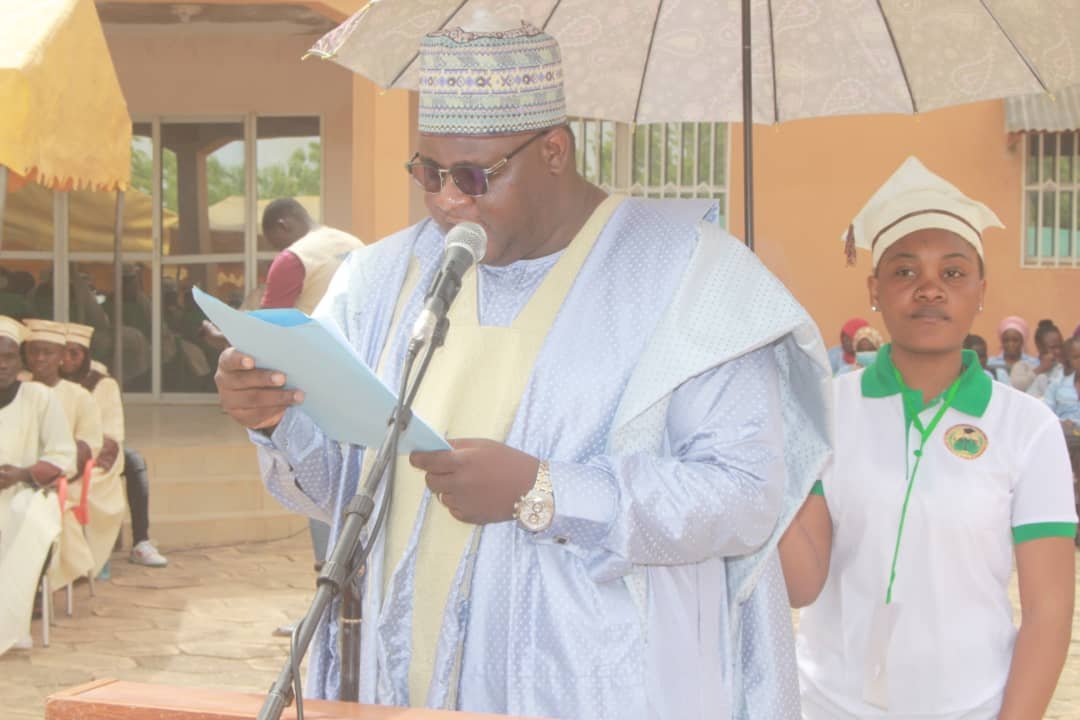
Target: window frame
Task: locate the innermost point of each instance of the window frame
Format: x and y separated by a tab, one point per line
1033	142
62	256
624	160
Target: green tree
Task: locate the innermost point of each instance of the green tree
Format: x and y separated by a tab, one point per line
142	175
222	181
300	175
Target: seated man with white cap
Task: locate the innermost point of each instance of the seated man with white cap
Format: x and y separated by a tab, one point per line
940	476
620	367
106	497
36	448
43	351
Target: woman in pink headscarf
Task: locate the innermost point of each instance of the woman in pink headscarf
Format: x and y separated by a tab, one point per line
1013	333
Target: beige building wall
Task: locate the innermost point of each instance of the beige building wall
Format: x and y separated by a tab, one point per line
813	176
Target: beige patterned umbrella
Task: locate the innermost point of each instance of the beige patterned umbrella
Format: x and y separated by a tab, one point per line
646	61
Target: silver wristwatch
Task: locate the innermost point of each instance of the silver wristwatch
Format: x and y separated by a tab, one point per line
536	508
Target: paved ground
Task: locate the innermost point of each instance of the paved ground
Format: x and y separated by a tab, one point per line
206	621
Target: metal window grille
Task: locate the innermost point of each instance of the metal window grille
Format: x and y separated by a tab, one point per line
1051	183
668	160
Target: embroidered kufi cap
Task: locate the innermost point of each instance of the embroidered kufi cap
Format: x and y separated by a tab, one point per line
80	334
913	199
490	83
12	328
46	331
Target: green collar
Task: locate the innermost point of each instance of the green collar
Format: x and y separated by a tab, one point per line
881	380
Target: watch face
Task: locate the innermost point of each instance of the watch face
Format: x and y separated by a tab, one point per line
537	511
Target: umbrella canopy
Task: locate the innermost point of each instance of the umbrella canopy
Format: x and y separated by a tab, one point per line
64	122
646	61
651	61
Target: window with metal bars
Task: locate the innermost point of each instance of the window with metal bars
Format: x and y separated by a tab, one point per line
668	160
1051	183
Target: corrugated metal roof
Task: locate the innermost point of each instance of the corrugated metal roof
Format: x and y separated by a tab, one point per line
1044	112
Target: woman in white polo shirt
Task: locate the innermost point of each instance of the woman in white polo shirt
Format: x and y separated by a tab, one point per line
940	475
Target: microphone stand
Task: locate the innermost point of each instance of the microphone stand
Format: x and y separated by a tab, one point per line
349	553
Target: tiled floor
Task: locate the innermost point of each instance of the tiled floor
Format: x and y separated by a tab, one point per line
206	621
203	621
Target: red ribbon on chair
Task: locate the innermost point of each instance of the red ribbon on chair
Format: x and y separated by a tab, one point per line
82	510
62	492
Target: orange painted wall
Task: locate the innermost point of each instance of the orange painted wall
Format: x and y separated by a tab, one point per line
382	131
813	176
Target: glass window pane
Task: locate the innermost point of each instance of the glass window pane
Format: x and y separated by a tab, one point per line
592	137
187	359
1032	159
671	177
1049	155
135	296
607	154
1076	157
720	155
1065	159
26	289
28	219
1065	222
704	144
689	155
91	300
1046	226
288	152
202	188
656	151
1031	234
641	133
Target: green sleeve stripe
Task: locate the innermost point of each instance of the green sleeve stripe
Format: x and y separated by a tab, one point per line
818	489
1035	531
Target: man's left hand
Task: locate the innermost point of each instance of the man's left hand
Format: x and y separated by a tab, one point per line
478	480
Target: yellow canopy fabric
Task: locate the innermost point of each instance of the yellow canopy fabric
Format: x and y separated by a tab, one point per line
64	121
28	220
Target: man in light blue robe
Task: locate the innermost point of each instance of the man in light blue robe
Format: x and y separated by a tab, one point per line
679	400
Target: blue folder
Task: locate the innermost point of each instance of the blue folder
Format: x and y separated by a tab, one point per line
341	393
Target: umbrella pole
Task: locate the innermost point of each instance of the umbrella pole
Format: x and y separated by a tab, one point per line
118	293
3	199
748	130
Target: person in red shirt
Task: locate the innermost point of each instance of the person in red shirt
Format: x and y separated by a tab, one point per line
309	255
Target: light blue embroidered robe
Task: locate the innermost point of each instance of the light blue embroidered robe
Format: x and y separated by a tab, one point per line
682	397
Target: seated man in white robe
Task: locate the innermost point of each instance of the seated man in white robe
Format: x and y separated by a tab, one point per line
36	448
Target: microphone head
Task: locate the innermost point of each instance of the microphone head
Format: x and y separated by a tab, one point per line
470	236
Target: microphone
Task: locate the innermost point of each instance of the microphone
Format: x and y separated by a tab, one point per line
466	244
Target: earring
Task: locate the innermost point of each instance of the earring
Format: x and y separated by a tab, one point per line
873	308
980	308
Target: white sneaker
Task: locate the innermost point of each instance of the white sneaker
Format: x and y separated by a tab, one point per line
146	554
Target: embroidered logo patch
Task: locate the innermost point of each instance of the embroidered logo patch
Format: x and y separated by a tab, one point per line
966	441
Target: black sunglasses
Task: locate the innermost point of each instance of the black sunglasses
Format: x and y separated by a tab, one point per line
470	179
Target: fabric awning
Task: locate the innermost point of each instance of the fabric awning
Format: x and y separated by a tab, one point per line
64	121
1043	112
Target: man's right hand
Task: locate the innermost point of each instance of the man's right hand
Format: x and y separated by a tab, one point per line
252	396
